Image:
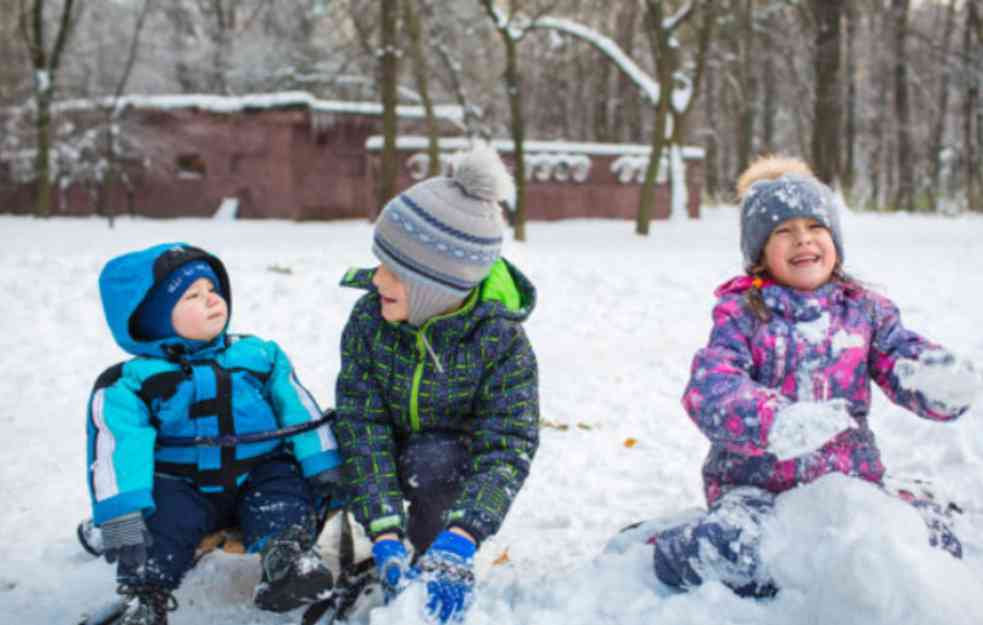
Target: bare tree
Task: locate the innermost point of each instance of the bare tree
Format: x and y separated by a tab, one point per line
938	131
388	84
749	87
46	63
827	129
628	112
114	115
850	131
421	70
972	38
662	31
905	196
511	32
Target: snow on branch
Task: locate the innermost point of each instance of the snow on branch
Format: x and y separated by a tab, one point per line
648	86
670	23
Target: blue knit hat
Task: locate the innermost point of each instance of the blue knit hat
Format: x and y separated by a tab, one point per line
769	203
441	236
153	317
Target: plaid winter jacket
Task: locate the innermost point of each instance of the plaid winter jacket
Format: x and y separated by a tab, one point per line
820	345
472	371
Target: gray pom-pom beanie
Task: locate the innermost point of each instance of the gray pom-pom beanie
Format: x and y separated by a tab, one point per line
768	203
441	236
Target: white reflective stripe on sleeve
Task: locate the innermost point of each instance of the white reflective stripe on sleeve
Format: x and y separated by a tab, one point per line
324	434
103	472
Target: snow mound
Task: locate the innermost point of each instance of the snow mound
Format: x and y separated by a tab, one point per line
843	551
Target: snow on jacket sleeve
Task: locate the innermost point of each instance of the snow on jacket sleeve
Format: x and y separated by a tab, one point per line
894	349
365	434
317	449
120	449
728	406
505	436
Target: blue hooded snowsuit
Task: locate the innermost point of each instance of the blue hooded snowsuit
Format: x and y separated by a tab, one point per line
175	387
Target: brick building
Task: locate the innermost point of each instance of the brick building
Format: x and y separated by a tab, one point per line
292	156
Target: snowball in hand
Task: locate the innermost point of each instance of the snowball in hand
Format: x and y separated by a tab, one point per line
941	379
806	425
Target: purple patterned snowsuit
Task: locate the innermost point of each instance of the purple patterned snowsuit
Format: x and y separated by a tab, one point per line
820	345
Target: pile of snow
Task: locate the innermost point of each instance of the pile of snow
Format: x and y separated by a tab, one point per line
618	320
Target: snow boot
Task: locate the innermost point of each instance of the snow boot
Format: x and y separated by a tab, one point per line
90	537
146	605
293	573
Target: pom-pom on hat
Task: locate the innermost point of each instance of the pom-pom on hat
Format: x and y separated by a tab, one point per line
441	236
768	203
153	317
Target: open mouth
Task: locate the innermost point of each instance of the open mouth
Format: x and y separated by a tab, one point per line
387	300
804	260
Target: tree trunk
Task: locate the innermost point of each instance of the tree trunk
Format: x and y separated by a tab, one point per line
938	131
849	168
971	105
113	115
627	123
45	67
414	30
602	99
388	76
770	97
905	198
826	122
42	158
711	160
656	35
745	136
513	84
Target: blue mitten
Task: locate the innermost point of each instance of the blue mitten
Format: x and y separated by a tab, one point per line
446	569
393	563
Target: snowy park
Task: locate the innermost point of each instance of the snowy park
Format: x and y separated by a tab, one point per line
618	320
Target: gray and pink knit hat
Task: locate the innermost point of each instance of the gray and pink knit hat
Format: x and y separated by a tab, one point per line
441	236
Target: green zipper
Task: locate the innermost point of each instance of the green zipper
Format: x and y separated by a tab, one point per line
417	376
422	352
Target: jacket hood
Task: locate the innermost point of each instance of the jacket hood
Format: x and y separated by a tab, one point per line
125	282
505	291
791	303
740	284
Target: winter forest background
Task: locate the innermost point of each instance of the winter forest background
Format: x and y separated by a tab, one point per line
882	97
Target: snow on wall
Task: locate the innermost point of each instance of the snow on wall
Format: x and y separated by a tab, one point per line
235	104
412	142
546	166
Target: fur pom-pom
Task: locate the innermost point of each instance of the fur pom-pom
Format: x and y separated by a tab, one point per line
771	167
482	174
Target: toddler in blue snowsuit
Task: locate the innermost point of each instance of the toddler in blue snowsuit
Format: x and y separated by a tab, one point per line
154	496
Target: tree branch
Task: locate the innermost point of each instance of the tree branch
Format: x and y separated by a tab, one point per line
132	54
65	29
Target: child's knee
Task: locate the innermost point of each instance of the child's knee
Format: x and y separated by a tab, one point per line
431	464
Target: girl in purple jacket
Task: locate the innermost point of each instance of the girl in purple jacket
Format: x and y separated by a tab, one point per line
783	388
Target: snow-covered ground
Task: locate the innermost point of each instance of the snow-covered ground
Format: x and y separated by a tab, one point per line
618	320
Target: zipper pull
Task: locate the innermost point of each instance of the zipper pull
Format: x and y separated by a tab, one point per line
433	354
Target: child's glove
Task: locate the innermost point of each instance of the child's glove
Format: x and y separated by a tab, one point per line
327	486
393	564
940	378
126	538
446	569
806	425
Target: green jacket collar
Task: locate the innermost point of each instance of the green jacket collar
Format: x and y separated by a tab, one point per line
505	292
